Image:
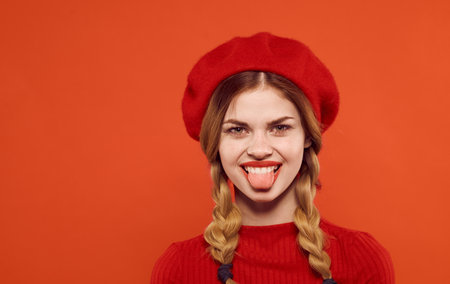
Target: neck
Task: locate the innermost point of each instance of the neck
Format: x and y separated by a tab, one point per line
278	211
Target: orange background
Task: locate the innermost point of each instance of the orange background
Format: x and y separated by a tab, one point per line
97	173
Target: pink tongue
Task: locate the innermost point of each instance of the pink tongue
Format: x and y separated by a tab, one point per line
261	181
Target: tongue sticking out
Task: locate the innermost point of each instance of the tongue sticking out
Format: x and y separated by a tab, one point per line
261	181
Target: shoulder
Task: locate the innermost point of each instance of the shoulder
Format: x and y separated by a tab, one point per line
175	262
358	254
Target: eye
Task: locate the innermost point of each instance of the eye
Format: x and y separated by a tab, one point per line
281	128
237	131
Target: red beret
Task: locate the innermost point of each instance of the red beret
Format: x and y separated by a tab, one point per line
260	52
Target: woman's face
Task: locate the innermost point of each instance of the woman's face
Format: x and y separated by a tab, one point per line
261	144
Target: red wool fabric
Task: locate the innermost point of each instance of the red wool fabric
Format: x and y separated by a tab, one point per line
270	254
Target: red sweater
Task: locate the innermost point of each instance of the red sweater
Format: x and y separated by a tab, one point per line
270	254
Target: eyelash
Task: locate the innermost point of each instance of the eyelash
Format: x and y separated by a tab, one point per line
234	130
238	130
283	129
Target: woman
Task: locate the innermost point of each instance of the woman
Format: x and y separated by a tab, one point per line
259	105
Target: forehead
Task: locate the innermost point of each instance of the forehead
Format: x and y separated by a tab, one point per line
261	104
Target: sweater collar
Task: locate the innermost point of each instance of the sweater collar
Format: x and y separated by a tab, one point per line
272	230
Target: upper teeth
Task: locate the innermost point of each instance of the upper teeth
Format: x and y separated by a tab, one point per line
260	170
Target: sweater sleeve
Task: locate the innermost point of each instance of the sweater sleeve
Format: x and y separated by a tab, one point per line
371	260
166	269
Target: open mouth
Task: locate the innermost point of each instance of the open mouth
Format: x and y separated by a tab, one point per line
261	174
260	170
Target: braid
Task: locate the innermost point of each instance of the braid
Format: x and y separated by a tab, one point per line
307	217
222	233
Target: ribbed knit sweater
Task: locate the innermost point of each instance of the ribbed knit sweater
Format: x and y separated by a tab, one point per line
270	254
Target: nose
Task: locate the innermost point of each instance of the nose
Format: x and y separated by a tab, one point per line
259	147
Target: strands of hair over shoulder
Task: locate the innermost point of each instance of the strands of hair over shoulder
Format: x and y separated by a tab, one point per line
307	217
222	234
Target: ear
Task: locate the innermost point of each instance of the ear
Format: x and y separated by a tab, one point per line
308	142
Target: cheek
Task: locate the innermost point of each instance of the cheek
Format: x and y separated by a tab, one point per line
292	154
230	152
293	148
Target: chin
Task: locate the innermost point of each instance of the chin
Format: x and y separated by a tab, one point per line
262	200
261	195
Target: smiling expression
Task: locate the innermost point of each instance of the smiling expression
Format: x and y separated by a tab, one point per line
261	144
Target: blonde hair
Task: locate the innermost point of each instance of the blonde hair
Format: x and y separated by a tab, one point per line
222	234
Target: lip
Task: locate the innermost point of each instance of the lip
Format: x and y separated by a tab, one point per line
260	164
257	164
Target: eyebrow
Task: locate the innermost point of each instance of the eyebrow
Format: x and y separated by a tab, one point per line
273	122
234	121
